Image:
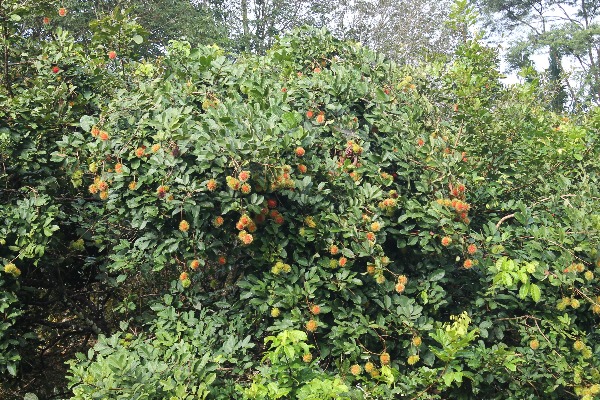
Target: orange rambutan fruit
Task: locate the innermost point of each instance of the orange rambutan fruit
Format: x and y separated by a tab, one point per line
384	358
184	226
246	188
311	325
211	185
247	239
471	249
244	176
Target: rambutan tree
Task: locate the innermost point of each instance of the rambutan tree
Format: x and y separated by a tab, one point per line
321	223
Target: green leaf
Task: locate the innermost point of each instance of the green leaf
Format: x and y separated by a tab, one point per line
137	39
535	292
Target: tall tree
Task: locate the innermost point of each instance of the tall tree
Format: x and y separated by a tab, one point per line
198	22
568	30
407	31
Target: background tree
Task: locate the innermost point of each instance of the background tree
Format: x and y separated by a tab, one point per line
567	30
405	31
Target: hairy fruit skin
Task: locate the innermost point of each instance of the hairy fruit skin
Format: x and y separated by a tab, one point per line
300	151
62	11
384	358
194	264
307	358
355	370
275	312
446	241
184	226
183	276
311	325
471	249
55	69
112	54
468	264
534	344
315	310
211	185
412	360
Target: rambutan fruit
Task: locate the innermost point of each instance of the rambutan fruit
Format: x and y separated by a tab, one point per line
184	226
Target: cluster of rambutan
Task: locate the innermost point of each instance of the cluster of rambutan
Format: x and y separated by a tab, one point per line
401	283
245	237
233	183
372	370
458	190
245	222
185	279
568	301
388	205
284	180
574	268
585	351
587	392
320	116
276	216
12	269
280	267
97	132
460	207
99	186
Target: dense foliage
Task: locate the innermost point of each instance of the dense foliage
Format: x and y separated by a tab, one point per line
313	223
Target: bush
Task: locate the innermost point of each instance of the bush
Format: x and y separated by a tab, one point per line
384	231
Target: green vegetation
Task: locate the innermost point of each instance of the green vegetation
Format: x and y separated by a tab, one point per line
315	222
